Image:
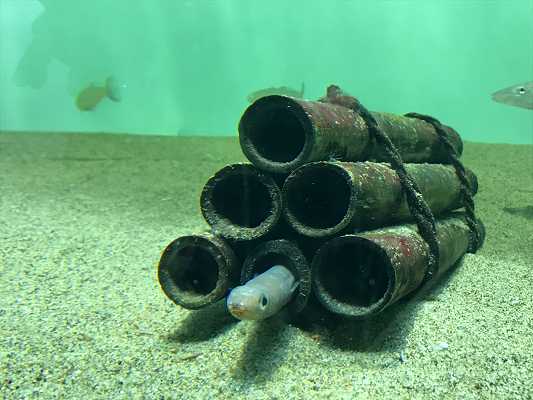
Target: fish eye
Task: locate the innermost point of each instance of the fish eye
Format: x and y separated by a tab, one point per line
263	301
521	90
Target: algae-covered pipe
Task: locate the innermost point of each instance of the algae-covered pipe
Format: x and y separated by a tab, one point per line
360	275
241	203
197	270
279	258
280	133
324	198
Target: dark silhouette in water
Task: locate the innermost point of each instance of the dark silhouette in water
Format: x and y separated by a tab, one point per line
524	212
282	90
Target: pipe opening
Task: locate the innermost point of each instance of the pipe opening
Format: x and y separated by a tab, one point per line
285	253
194	270
266	261
276	133
243	200
355	274
318	197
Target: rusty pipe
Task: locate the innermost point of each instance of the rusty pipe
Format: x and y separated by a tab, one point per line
280	133
241	203
323	198
360	275
286	253
197	270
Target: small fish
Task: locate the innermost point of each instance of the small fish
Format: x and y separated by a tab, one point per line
524	212
520	95
282	90
89	97
440	346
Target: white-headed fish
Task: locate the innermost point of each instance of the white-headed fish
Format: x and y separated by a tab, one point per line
262	296
520	95
89	97
282	90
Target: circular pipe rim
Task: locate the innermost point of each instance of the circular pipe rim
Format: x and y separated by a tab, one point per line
221	225
305	229
182	297
267	104
343	308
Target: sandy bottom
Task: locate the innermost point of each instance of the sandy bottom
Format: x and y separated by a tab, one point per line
83	221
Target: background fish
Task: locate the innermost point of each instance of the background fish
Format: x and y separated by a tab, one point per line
282	90
89	97
520	95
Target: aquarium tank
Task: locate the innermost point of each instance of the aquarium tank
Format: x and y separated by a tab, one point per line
230	199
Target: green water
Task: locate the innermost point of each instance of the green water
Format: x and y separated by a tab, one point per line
187	66
86	213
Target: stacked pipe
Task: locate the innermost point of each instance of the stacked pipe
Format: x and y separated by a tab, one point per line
318	212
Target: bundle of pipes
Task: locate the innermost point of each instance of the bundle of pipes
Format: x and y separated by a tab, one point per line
314	214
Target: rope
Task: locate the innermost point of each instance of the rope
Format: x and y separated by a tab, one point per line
466	189
418	207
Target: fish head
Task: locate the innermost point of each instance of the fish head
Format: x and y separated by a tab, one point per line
520	95
114	88
248	303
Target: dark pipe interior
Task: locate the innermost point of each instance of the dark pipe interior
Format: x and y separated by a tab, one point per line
268	260
354	275
243	200
276	134
193	269
319	198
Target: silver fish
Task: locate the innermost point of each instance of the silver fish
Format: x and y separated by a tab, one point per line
262	296
520	95
282	90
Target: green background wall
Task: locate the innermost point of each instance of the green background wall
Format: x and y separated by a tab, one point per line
189	65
